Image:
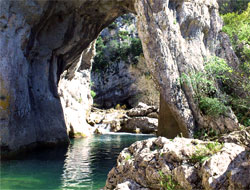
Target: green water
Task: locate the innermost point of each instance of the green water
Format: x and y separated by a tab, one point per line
83	165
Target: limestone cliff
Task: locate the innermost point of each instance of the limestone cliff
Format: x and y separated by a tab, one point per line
177	36
40	39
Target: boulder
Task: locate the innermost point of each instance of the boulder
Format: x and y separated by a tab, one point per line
141	110
181	163
241	137
140	125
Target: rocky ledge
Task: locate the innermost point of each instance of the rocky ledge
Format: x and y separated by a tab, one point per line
141	119
160	163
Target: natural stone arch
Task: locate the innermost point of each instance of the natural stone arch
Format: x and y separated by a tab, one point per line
40	39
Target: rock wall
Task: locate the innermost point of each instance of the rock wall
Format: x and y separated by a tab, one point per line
75	95
40	39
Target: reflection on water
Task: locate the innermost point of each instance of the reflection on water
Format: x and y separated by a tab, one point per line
76	167
83	165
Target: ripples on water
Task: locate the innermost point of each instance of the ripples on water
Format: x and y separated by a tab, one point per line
83	165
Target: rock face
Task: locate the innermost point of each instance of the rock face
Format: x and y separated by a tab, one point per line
40	39
176	37
75	96
183	163
76	101
114	86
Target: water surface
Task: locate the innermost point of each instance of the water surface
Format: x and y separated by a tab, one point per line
83	165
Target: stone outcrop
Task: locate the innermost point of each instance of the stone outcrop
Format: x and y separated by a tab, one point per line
183	163
141	119
241	137
76	102
40	39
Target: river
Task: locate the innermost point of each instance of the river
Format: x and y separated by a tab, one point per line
83	165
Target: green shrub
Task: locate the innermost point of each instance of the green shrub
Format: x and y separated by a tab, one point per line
128	157
121	46
204	152
226	6
168	183
206	134
237	26
212	106
93	94
206	93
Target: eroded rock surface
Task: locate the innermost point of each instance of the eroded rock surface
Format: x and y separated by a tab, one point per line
187	163
176	37
40	39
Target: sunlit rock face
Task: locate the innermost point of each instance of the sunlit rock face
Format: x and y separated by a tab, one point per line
158	162
177	36
75	96
41	39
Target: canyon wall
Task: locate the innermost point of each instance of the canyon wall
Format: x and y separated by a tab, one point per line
40	40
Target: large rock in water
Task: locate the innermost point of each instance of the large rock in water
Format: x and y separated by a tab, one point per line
41	39
181	163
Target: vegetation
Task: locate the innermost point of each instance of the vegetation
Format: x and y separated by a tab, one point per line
128	157
93	94
125	45
219	87
122	46
204	152
168	183
207	95
206	134
237	26
227	6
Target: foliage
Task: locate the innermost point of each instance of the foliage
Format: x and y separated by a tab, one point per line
204	152
227	6
237	26
119	107
212	106
167	182
100	60
122	46
80	100
93	94
206	92
128	157
205	134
